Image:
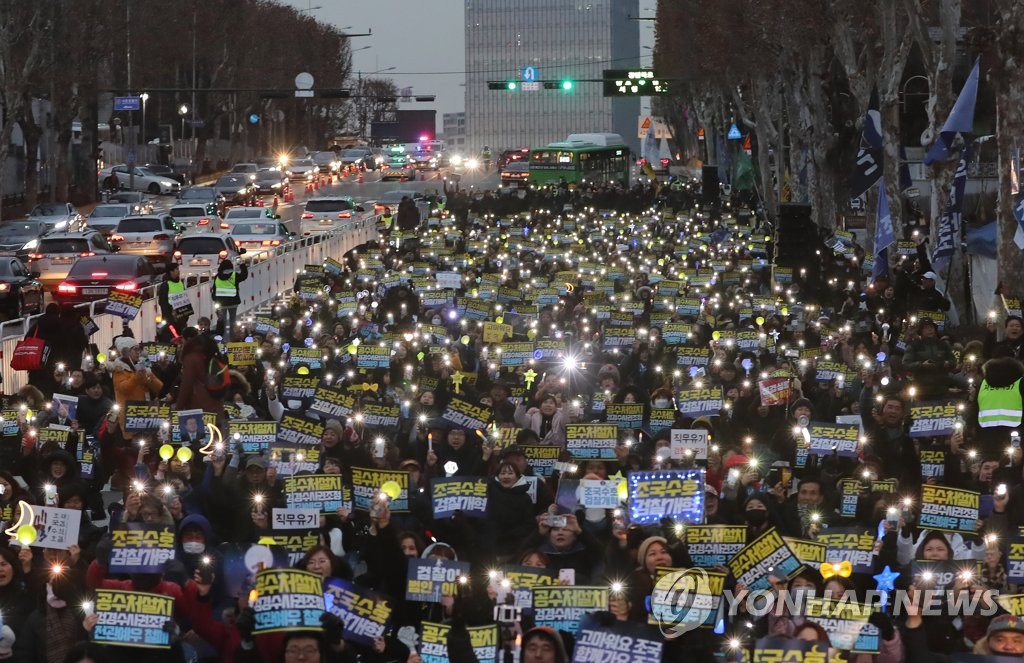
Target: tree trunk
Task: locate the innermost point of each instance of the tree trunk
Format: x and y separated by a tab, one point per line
890	112
1009	126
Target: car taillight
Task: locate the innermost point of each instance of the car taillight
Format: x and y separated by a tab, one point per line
275	242
127	286
224	226
307	215
116	238
344	215
161	237
4	287
223	255
35	256
203	222
86	254
67	289
177	255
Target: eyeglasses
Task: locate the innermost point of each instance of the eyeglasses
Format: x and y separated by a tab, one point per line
302	652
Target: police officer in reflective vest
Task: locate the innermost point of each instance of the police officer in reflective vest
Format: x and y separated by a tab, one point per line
226	297
1000	405
175	305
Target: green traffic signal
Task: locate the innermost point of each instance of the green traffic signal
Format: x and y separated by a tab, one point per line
567	85
511	85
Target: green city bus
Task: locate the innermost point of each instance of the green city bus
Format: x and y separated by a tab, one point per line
581	159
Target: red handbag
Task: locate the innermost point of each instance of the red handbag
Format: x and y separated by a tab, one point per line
30	354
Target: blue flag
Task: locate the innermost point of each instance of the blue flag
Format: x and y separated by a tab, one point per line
960	120
869	157
949	225
884	235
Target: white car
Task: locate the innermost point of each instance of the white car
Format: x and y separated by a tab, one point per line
239	214
145	180
55	254
104	218
301	169
195	219
260	235
58	216
152	236
201	254
325	213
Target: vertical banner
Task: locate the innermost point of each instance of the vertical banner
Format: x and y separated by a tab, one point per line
288	600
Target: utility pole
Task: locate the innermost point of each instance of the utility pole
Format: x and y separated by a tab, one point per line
131	118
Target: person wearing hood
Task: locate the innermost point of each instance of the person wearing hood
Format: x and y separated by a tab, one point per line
343	445
542	644
509	509
132	381
76	496
54	627
59	470
226	296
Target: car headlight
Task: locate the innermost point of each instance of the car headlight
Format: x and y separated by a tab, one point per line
275	185
456	160
472	163
242	190
31	244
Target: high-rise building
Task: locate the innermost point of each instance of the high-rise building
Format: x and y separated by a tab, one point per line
563	40
454	131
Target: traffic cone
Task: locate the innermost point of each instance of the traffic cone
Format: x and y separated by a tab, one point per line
289	195
276	201
259	202
316	185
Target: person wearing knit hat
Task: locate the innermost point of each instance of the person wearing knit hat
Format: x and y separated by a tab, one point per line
801	406
542	644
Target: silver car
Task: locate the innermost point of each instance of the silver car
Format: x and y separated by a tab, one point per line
104	218
57	216
325	213
199	254
195	219
152	237
144	180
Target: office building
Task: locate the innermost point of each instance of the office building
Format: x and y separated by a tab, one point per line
562	40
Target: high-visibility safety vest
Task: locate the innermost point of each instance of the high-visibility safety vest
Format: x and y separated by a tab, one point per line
177	297
225	287
1002	406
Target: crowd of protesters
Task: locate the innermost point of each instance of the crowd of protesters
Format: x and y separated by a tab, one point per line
783	348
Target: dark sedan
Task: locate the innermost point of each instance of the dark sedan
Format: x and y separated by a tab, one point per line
20	293
270	181
236	189
204	195
95	277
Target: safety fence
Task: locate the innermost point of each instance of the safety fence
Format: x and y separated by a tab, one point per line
271	274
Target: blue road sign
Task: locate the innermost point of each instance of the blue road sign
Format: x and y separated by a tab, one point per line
530	74
131	157
734	132
127	103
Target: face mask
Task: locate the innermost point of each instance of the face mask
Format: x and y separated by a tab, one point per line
435	321
757	517
193	547
662	403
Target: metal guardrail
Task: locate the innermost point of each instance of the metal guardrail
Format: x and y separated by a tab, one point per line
271	274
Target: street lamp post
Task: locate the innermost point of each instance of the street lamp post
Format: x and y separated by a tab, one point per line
362	101
145	97
183	111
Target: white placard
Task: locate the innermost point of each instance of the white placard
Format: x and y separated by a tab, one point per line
694	439
295	519
599	493
56	528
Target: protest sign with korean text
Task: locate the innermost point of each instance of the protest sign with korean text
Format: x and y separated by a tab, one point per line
625	415
714	545
592	441
254	436
434	643
828	439
364	613
766	555
657	494
699	402
848	544
288	600
689	443
314	491
465	494
369	483
949	509
132	619
563	607
430	580
622	642
138	548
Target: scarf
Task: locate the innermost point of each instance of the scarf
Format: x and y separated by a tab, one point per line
62	632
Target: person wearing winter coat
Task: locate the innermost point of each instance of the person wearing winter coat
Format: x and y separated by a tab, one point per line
998	407
509	509
547	420
132	381
195	359
930	360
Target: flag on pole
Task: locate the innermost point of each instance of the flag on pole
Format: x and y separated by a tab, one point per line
960	120
950	224
884	235
868	168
